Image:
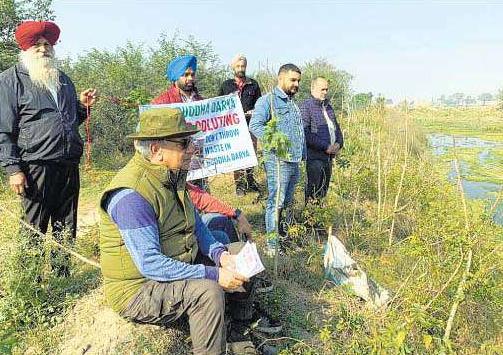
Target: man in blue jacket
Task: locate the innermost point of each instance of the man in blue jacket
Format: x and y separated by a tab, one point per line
323	138
279	102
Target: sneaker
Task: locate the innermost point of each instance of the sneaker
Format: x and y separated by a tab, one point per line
268	350
262	285
265	324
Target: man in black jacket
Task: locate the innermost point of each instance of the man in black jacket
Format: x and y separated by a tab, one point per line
40	145
324	139
249	92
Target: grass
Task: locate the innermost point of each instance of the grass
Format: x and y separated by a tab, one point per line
419	267
483	123
490	170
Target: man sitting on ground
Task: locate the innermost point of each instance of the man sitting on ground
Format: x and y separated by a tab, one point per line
155	250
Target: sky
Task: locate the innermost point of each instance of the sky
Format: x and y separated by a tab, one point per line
401	49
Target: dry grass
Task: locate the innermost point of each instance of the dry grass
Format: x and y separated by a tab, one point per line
427	227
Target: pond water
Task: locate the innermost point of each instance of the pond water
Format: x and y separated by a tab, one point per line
441	143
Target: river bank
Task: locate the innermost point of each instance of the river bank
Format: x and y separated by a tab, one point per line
475	138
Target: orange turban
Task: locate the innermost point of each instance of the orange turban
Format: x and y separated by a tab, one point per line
29	32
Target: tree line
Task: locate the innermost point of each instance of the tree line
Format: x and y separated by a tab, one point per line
133	74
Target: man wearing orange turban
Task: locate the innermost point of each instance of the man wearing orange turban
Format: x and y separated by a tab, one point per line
40	145
29	32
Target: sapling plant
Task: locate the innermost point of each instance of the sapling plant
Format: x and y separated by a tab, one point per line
277	143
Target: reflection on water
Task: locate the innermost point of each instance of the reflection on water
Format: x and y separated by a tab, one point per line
440	143
484	156
498	214
463	170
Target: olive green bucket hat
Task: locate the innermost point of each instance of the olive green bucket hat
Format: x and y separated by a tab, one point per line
163	123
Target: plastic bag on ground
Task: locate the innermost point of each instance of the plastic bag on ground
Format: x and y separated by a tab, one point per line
341	269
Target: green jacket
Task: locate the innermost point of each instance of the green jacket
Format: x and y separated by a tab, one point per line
175	218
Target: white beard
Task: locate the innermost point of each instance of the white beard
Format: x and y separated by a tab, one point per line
43	71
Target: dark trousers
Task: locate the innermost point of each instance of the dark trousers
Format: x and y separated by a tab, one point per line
203	301
319	173
222	227
52	196
244	178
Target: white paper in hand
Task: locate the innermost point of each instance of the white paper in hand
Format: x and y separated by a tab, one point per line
248	261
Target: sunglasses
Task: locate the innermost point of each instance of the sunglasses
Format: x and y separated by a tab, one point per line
183	143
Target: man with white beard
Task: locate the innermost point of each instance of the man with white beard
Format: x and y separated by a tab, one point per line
40	145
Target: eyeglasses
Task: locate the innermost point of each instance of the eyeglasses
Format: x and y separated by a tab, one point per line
183	143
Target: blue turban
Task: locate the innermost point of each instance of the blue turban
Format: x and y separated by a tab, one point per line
177	67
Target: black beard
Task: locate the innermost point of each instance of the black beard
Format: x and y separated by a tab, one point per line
186	88
240	74
291	93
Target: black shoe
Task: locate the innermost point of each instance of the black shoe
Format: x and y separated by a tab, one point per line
265	323
239	339
253	186
262	285
238	331
268	350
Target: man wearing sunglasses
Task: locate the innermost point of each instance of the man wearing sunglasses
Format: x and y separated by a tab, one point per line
159	261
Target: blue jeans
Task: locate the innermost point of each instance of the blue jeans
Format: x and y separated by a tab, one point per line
289	174
221	227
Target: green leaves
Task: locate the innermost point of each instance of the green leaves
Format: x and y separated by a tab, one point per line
274	140
338	81
129	76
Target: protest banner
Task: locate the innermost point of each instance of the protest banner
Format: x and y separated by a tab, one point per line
224	143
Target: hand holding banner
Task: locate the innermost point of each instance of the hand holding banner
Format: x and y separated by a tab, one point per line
224	141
